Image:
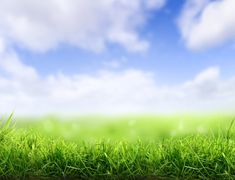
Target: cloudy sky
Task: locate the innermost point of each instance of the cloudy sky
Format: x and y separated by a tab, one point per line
117	56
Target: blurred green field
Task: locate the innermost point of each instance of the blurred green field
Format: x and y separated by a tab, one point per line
127	147
132	127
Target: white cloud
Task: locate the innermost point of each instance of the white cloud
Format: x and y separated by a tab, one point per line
104	92
205	84
152	4
10	63
44	25
207	23
2	45
129	91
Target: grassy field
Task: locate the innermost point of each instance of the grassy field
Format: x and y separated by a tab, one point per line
128	147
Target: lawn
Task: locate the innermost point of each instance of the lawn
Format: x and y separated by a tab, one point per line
127	147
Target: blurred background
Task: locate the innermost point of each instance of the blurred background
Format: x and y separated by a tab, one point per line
118	69
132	128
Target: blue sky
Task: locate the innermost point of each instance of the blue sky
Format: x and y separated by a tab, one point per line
167	55
171	45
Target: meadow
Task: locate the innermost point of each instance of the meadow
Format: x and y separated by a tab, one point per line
125	147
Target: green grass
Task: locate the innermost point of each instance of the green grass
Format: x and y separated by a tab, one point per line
131	128
106	149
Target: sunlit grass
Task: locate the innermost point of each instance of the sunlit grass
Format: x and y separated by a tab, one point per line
109	148
129	128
